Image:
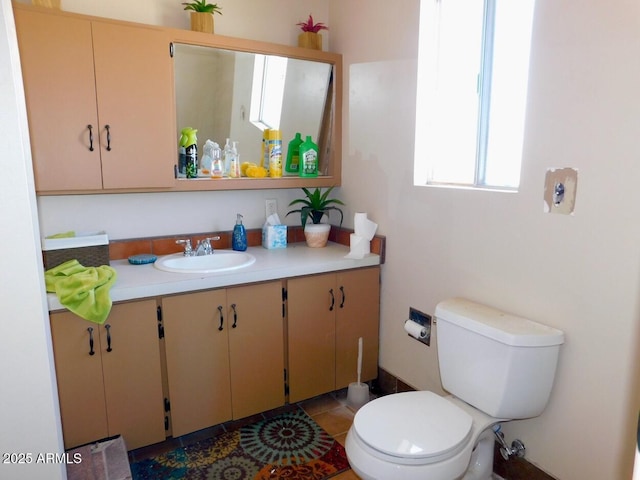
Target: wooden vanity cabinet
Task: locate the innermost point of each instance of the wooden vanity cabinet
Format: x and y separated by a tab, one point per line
224	353
327	313
99	102
117	390
197	354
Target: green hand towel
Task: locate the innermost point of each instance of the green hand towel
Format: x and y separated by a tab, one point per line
83	290
69	234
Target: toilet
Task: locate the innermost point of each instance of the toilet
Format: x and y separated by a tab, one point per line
495	366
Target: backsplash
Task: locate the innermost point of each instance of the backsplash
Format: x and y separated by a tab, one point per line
164	245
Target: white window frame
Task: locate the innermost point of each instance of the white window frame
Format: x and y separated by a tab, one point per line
430	57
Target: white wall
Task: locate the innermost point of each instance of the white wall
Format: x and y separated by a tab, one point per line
28	399
578	273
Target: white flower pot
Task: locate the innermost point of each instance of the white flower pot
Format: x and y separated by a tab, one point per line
317	234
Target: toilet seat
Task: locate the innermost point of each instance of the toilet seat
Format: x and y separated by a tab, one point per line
413	427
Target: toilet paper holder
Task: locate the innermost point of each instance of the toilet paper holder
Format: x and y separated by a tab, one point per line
423	319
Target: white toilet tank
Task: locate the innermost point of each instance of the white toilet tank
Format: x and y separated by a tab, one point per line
501	364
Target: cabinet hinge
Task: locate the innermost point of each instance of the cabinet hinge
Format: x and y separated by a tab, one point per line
166	423
284	294
171	49
160	326
167	405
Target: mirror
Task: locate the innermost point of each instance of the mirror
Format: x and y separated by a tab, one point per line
236	95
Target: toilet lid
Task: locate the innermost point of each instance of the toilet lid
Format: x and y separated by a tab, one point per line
413	425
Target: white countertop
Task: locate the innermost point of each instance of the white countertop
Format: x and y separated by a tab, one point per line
142	281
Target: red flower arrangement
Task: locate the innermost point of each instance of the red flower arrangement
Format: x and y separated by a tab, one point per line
309	26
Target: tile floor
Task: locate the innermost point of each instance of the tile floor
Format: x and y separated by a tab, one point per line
330	411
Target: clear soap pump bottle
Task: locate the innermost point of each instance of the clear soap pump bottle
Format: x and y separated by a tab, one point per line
239	240
234	167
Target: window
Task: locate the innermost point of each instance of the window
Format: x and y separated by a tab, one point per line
473	68
269	74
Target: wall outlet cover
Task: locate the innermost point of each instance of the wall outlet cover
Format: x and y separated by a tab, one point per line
270	206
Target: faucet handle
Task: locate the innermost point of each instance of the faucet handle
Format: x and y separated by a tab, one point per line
205	245
188	250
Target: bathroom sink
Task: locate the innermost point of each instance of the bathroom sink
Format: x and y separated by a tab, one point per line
219	261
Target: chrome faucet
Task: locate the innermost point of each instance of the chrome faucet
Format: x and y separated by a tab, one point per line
204	246
188	249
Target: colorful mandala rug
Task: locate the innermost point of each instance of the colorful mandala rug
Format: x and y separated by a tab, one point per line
289	446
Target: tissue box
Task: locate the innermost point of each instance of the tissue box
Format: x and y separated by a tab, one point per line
274	236
91	250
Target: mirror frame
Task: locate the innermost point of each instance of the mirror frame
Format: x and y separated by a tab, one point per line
333	178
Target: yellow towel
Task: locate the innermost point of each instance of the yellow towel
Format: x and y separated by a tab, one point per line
83	290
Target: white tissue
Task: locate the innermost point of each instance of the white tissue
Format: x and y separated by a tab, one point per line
359	246
273	219
360	240
415	329
364	227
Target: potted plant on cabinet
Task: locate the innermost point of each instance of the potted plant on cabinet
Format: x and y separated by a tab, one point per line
316	205
202	15
310	36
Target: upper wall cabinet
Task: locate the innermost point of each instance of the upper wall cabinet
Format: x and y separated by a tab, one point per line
99	102
106	101
233	88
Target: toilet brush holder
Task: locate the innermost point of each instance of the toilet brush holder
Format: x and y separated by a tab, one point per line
357	395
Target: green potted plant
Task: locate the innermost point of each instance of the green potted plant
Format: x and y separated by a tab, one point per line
315	205
202	15
310	36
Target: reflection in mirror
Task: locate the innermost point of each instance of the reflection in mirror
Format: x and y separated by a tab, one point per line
236	95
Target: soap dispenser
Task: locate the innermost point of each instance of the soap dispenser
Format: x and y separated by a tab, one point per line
239	240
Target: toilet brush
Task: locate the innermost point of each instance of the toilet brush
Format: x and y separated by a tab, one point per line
358	393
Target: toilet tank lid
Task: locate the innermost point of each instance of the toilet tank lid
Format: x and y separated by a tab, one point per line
496	324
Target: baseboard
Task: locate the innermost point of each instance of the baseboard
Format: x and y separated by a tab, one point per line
512	469
517	468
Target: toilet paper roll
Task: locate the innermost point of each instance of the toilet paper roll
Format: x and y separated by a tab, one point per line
415	329
359	247
364	227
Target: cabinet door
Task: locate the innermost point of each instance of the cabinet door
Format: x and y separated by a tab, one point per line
79	376
357	315
132	374
256	346
197	353
311	333
57	68
135	99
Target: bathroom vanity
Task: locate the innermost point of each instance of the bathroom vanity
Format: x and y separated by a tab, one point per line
185	351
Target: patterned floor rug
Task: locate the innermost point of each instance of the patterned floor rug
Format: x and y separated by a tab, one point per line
289	446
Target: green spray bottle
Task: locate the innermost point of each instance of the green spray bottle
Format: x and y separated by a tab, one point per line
292	165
